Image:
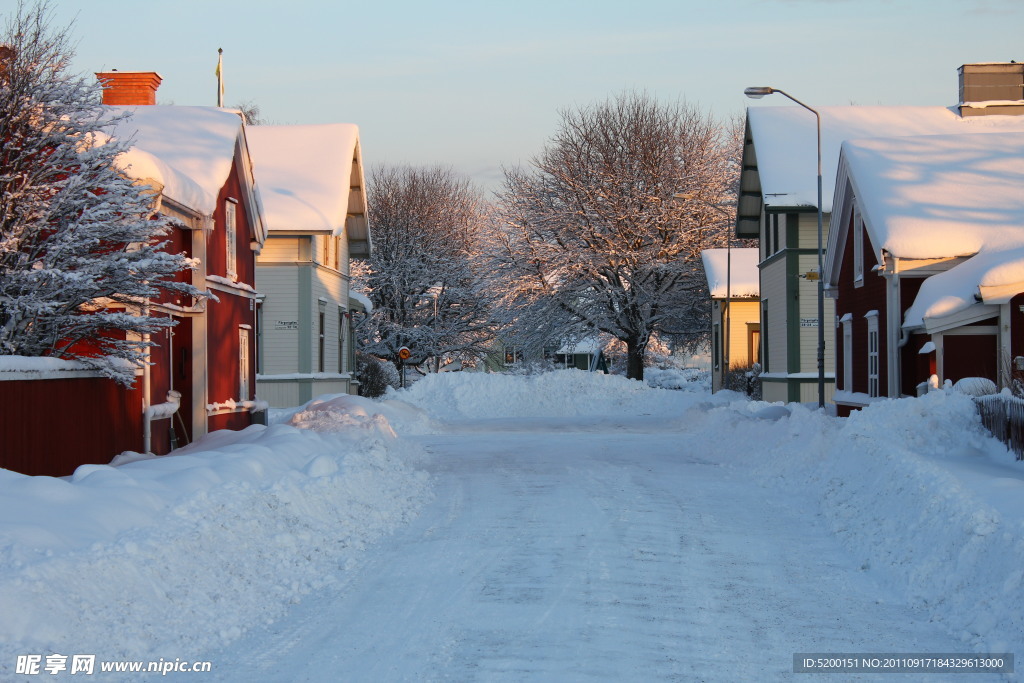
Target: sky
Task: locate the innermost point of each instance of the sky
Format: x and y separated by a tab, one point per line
479	86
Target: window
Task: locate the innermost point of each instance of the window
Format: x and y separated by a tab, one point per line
716	343
320	341
764	342
243	365
513	355
231	239
858	248
341	338
753	342
847	323
872	353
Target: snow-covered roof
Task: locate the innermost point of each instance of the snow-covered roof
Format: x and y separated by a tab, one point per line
188	150
587	345
785	142
745	279
990	278
304	174
940	195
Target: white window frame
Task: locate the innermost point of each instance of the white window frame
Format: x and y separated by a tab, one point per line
874	357
243	364
847	323
231	239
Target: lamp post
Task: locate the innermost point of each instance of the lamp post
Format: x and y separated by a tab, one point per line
757	93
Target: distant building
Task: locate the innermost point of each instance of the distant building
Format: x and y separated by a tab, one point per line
734	285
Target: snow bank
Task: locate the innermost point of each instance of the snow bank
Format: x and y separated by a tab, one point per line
563	393
164	557
915	488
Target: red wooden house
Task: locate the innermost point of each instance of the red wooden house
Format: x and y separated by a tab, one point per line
926	263
198	160
201	375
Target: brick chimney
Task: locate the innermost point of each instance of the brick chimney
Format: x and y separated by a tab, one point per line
129	87
991	88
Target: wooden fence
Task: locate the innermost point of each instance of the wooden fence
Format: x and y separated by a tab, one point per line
1003	416
51	425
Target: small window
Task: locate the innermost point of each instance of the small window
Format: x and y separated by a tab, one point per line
231	239
513	355
848	354
716	343
321	336
342	326
243	365
873	355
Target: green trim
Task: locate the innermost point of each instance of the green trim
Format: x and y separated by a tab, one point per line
793	395
793	230
305	316
791	209
792	315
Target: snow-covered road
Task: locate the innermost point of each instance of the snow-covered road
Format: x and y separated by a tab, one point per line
584	548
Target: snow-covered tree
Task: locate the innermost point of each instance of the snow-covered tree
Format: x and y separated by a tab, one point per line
80	249
425	274
603	232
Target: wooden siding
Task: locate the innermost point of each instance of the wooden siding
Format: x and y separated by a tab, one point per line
807	297
969	355
858	301
284	250
279	318
51	426
808	230
329	285
773	293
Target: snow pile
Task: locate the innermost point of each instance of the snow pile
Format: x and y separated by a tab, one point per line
918	491
177	554
563	393
687	379
342	412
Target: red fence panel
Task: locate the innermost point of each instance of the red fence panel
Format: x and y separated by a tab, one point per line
51	426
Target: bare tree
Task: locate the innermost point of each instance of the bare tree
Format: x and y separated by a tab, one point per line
604	232
80	246
424	276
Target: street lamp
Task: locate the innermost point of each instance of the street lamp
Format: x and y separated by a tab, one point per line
757	93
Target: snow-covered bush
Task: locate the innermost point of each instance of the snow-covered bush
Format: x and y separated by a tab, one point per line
375	375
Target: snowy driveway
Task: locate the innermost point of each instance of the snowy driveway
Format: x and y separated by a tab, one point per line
582	548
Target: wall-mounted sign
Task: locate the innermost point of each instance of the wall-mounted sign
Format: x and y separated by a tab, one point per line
286	324
808	322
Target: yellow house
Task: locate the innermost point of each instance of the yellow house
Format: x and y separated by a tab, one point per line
733	282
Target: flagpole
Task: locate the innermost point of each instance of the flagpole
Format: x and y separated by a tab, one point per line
220	77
